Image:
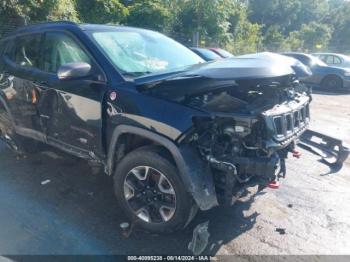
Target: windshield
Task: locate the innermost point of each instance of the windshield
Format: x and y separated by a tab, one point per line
136	53
208	54
224	53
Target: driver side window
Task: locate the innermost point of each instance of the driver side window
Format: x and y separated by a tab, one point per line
61	49
27	51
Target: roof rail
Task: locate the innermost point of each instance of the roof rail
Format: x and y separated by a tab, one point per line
54	22
26	27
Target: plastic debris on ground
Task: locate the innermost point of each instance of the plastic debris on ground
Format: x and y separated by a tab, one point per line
282	231
45	182
200	238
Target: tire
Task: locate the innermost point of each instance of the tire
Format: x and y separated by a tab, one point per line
148	160
332	82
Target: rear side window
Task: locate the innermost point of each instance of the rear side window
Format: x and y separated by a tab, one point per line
208	54
329	59
336	60
27	51
305	60
60	49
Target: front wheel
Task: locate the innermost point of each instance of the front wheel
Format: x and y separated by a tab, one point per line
331	83
151	193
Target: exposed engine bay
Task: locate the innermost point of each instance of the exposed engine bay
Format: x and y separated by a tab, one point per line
253	116
251	130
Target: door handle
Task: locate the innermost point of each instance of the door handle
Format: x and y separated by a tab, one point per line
44	116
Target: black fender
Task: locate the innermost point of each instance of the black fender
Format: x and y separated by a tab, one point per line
195	174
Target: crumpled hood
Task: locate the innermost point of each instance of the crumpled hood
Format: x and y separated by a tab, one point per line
226	69
208	77
241	68
301	70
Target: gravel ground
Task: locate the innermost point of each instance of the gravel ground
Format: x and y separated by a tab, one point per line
75	213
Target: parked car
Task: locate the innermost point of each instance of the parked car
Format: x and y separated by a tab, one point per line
177	134
221	52
324	76
206	54
333	59
301	70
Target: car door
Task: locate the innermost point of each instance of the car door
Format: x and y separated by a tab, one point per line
71	111
21	65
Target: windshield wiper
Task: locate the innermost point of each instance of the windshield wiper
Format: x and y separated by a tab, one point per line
136	74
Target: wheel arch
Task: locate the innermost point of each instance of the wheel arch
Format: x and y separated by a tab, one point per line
195	175
331	75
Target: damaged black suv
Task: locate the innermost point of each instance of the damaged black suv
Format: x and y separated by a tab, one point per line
178	134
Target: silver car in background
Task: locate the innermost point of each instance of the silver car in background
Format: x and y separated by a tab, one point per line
334	59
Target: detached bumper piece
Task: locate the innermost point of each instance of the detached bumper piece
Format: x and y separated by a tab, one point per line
332	150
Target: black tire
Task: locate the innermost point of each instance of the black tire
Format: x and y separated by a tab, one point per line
149	156
332	82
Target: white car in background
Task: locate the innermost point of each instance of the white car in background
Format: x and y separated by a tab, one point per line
333	59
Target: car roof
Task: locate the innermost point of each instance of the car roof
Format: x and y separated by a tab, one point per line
215	48
271	55
203	49
69	25
335	54
327	54
297	53
197	48
293	53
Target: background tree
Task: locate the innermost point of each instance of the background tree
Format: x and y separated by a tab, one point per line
273	39
58	10
315	36
101	11
241	26
14	13
206	20
152	14
282	13
246	36
339	19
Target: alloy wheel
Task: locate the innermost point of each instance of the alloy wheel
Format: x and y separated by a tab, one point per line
149	194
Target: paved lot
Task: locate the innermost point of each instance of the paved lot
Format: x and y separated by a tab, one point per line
76	213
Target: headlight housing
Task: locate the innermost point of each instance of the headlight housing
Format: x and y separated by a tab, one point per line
347	73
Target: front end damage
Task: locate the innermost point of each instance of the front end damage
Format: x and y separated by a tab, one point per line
252	113
249	133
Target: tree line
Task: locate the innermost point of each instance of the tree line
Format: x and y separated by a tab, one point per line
241	26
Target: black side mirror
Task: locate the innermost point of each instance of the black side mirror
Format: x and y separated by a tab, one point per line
73	70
